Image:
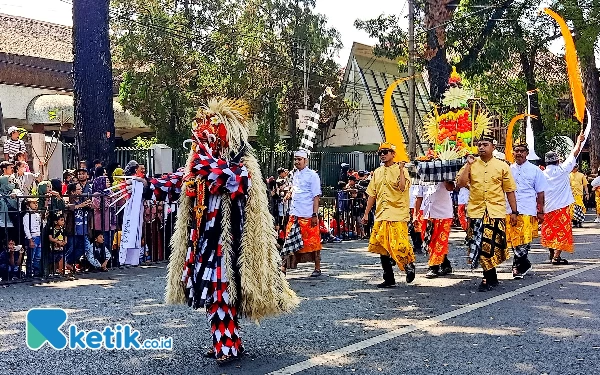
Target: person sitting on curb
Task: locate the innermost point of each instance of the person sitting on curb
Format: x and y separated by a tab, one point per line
96	255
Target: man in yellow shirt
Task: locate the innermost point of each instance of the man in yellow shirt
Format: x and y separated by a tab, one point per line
490	183
580	189
389	188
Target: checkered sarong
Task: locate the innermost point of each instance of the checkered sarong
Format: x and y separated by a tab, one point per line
486	238
439	170
293	241
578	214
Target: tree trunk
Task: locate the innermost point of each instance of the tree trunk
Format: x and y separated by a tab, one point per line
93	81
438	70
591	82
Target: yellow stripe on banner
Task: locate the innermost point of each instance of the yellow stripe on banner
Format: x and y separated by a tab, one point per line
572	65
390	123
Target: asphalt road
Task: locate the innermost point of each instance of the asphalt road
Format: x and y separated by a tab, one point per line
548	323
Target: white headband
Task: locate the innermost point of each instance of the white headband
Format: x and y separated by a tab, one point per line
301	153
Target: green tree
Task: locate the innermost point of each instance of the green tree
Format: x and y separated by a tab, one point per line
175	55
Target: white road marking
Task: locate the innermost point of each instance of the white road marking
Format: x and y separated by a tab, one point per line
338	353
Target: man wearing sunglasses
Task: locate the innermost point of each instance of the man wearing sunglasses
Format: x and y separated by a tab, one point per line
489	180
389	192
531	185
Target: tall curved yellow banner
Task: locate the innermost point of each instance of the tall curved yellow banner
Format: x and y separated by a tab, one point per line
390	123
572	65
508	150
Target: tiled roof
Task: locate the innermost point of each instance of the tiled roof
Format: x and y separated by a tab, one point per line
28	37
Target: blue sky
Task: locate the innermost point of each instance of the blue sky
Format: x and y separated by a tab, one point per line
340	13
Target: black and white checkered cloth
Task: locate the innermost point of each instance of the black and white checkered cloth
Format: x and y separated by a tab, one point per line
578	214
310	132
293	241
439	170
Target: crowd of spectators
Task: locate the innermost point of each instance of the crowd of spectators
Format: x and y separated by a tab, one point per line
63	227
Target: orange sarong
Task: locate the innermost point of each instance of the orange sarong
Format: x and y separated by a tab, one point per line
311	238
557	232
436	239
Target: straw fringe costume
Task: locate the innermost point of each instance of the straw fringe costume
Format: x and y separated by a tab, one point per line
224	256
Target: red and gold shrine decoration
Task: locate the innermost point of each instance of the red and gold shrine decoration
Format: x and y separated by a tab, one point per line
452	132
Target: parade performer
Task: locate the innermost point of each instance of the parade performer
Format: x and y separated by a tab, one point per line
416	217
596	188
489	181
224	251
436	203
557	232
304	212
389	192
463	216
531	185
579	188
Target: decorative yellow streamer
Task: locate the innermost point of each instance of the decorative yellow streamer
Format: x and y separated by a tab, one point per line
508	150
572	66
390	123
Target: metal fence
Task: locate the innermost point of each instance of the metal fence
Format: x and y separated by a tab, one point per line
36	245
327	164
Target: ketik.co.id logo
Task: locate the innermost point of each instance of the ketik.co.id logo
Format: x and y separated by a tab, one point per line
43	325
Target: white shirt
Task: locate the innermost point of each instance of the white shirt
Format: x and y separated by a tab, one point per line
530	181
306	185
596	182
32	224
463	196
559	194
437	202
413	192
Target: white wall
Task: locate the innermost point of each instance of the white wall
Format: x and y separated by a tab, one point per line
15	100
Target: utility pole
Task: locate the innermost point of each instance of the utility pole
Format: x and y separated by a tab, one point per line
412	144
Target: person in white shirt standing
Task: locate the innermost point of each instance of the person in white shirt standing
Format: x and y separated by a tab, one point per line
531	185
436	203
304	211
557	230
32	224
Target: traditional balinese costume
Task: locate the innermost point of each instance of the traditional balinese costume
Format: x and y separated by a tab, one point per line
438	214
578	183
530	183
389	237
224	251
306	186
486	237
557	230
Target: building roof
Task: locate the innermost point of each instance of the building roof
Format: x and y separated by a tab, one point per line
28	37
366	79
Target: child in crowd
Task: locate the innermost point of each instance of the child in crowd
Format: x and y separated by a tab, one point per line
13	144
326	235
32	224
58	243
11	258
97	254
145	257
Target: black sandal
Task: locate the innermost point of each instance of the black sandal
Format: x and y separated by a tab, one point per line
209	354
559	261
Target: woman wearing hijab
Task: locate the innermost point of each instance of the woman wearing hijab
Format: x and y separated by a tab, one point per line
9	207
